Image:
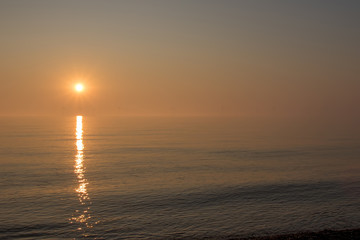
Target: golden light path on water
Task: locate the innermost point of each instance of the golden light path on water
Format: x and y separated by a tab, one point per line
82	215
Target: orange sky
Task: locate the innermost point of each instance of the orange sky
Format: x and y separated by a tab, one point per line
265	58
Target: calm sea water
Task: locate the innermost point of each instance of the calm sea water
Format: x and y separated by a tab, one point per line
158	178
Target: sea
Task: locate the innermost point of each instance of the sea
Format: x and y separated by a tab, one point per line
91	177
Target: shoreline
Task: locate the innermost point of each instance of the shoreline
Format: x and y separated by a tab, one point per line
348	234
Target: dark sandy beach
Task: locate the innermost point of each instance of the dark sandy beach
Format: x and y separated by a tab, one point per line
348	234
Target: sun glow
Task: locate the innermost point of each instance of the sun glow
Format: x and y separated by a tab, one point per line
79	87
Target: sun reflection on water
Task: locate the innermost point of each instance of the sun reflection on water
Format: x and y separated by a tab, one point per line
82	216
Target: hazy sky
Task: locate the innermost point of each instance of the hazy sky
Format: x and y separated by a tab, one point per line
247	58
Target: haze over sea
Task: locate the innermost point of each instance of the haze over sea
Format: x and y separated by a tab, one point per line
185	178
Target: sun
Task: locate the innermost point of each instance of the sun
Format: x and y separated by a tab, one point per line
79	87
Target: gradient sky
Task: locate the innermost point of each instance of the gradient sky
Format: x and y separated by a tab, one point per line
246	58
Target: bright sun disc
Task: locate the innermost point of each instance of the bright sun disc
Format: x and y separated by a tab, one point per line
79	87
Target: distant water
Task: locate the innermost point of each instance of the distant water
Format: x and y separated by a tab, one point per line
158	178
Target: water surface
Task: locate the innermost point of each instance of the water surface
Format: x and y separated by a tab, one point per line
159	178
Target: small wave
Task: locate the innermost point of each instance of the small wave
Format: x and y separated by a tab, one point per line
30	231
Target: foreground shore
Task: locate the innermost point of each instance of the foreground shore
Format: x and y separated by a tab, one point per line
348	234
